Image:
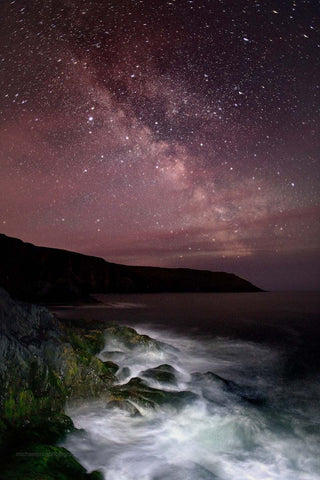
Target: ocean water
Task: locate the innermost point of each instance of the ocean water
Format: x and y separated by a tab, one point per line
252	361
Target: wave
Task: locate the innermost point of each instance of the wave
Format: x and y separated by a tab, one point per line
244	421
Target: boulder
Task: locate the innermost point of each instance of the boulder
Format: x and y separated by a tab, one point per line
129	338
42	363
245	392
138	392
162	374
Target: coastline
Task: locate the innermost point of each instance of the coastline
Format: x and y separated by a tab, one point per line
287	323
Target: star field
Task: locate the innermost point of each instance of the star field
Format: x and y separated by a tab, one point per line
169	133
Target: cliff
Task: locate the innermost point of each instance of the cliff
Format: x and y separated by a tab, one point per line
48	274
42	364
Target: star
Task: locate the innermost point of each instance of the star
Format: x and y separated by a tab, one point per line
164	125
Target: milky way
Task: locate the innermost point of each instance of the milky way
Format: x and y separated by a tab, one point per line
170	133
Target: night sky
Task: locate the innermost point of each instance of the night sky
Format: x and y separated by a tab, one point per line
181	133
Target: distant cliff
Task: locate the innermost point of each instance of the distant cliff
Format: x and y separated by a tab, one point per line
48	274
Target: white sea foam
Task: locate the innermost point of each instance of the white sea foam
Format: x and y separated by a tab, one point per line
252	427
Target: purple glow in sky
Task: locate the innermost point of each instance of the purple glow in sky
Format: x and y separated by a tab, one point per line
180	133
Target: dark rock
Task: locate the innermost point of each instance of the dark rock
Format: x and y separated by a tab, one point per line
45	462
107	355
208	377
163	374
28	453
42	363
52	275
138	392
128	338
39	430
247	393
111	366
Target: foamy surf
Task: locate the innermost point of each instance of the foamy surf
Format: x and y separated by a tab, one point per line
245	422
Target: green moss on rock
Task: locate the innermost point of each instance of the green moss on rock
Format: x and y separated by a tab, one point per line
43	364
86	341
129	338
46	462
111	366
138	392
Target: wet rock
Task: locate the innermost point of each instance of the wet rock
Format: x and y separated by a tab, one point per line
91	339
125	406
208	377
46	462
39	430
163	374
137	391
107	355
42	362
111	366
130	338
123	374
247	393
28	453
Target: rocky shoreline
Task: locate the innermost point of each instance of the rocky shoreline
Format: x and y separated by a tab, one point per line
43	364
46	363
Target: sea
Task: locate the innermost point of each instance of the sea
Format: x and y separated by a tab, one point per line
253	362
